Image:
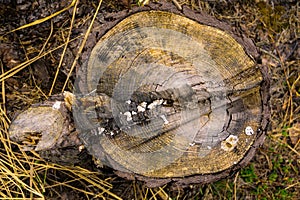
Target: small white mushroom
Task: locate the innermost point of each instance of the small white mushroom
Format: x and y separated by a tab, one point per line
249	130
142	107
128	101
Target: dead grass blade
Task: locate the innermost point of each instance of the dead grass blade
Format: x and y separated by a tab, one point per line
26	176
286	144
44	19
65	48
25	64
82	46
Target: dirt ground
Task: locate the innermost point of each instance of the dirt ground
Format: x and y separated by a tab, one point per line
29	59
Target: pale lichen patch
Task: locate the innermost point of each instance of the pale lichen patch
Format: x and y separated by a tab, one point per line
230	143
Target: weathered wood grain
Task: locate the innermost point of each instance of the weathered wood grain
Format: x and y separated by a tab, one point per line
208	85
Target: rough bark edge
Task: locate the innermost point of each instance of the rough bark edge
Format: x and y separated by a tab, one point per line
111	19
198	16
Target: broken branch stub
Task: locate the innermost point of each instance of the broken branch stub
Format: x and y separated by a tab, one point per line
165	97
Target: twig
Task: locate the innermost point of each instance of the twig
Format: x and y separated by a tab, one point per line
45	18
179	7
235	185
291	148
25	64
47	40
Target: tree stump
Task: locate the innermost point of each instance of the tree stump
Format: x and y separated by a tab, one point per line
164	97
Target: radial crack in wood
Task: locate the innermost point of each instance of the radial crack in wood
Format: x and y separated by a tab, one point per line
208	86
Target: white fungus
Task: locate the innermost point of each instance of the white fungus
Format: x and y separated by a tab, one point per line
249	130
80	148
141	109
232	139
133	112
155	103
128	115
143	104
165	119
192	144
56	105
128	101
100	130
151	106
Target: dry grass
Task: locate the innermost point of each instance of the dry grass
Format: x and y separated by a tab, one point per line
26	175
273	173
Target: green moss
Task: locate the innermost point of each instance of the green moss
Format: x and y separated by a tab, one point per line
224	186
277	162
248	174
284	131
283	194
273	177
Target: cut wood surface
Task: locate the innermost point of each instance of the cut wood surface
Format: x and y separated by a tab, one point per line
183	98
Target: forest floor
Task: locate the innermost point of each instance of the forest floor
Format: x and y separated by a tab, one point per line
30	56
